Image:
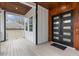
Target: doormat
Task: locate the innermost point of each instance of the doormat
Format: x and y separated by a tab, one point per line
59	46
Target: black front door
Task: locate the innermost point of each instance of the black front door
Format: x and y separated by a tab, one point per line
62	28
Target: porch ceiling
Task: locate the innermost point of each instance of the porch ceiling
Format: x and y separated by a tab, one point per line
51	5
15	7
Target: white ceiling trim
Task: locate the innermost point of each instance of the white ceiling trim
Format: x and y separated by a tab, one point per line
30	4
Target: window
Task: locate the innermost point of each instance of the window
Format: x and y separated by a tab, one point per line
26	26
31	23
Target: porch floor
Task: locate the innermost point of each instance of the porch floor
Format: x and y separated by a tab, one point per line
23	47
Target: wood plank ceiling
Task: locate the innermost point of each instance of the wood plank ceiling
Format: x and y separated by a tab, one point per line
52	5
15	7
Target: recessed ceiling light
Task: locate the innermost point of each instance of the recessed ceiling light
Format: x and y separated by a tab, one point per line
64	7
16	8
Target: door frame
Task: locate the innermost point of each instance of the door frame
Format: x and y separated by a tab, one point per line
65	43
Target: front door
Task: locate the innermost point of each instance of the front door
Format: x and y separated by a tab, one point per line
62	28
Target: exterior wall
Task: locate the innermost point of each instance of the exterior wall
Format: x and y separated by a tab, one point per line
42	24
31	35
1	25
76	26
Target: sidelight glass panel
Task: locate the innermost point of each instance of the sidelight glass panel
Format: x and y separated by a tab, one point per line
56	17
56	32
56	37
66	33
67	27
67	21
68	40
56	22
66	15
55	27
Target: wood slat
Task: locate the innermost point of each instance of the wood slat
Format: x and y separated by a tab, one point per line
58	8
11	7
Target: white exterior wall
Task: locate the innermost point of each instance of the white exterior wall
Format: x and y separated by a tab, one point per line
31	35
1	25
42	24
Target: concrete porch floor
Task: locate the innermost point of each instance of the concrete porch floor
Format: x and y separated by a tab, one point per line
23	47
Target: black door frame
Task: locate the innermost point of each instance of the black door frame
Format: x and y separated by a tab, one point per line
65	43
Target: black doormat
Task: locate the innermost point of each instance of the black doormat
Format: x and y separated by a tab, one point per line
59	46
